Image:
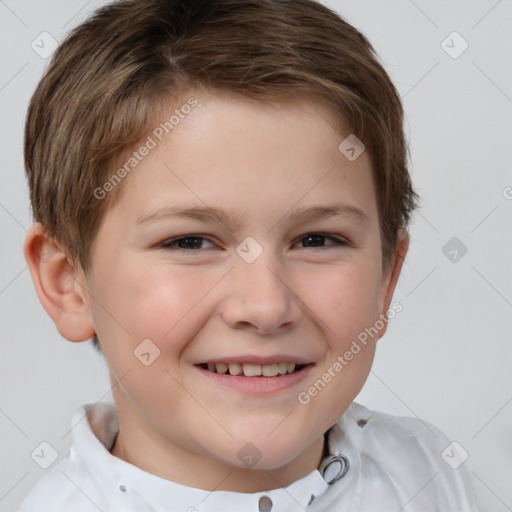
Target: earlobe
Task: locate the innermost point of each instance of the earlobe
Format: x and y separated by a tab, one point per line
59	285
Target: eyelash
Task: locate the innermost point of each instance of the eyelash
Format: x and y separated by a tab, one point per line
168	244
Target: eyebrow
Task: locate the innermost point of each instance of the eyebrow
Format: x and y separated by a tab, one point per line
206	213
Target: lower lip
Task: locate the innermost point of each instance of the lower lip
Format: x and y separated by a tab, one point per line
259	385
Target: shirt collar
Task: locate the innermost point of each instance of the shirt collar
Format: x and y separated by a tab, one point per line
129	487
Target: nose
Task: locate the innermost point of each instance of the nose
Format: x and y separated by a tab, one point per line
260	297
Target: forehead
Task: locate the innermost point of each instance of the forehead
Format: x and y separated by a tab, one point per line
234	152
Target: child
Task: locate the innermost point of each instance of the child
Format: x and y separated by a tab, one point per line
182	156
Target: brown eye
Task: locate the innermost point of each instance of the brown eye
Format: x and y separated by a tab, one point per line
189	242
318	240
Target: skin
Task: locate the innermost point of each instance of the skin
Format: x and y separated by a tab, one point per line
258	161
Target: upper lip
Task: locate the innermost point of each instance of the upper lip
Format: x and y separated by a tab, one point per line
254	359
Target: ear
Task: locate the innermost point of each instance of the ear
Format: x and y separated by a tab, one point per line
391	274
59	285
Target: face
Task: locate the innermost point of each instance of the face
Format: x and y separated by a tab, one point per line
244	238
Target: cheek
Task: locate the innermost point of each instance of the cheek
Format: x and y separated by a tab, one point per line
347	305
345	300
137	302
155	304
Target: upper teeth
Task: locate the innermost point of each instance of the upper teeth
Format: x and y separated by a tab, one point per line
252	370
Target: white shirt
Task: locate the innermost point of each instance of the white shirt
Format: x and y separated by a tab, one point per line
395	464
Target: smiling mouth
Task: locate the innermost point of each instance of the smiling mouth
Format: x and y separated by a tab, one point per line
253	370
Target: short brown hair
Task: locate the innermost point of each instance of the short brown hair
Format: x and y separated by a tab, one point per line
108	78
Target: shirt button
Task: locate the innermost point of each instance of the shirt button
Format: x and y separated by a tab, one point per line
265	504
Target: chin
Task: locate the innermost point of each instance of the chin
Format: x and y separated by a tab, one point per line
265	453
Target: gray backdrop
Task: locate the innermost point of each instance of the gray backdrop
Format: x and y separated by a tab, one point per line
446	357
